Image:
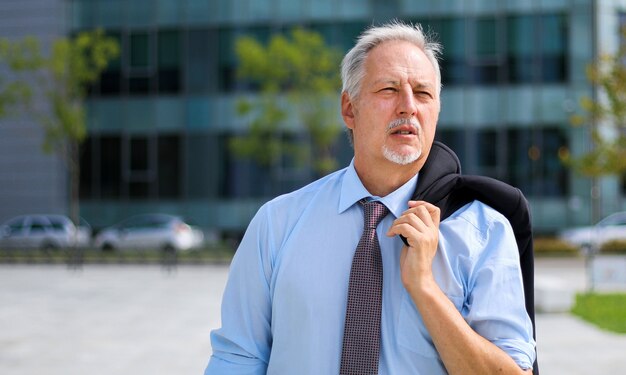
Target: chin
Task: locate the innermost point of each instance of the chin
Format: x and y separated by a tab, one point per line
404	158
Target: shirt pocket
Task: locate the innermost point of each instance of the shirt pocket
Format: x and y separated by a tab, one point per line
411	331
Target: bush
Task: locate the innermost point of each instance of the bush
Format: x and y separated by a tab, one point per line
550	246
614	247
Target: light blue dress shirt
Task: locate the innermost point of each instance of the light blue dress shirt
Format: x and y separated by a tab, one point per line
284	305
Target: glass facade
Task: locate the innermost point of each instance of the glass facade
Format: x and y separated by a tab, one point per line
162	116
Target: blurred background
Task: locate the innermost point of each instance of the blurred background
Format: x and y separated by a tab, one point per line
161	116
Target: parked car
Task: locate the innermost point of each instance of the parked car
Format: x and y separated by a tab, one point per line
150	231
611	228
43	231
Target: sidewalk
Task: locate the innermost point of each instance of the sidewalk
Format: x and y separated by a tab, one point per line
567	344
110	320
139	320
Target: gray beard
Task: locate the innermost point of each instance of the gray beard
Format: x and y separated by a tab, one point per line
395	157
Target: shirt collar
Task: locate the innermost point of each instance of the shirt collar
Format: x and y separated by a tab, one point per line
352	191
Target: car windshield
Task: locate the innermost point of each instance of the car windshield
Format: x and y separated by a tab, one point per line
617	219
57	223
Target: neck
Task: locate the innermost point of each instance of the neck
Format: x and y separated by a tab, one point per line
381	181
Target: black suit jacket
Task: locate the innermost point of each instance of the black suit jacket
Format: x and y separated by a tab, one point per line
442	184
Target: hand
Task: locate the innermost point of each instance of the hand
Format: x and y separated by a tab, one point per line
420	225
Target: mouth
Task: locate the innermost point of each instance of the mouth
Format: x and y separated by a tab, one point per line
405	130
404	127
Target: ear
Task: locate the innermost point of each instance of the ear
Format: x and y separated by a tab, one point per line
347	110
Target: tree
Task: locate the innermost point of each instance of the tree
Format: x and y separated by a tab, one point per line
604	117
61	78
304	71
16	57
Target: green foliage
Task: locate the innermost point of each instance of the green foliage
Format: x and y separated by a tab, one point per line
607	311
550	246
614	247
604	117
60	78
19	56
296	74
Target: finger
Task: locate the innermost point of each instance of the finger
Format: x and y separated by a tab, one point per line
433	211
407	226
418	213
414	219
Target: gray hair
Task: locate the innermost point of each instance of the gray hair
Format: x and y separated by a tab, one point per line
353	64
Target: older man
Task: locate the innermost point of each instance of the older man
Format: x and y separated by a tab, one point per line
301	300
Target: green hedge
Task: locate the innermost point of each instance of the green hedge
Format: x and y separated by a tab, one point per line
551	246
614	247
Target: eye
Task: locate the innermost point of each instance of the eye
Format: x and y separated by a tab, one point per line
388	89
423	93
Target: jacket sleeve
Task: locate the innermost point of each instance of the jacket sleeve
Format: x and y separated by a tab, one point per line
243	344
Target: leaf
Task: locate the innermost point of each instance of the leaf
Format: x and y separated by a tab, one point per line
297	66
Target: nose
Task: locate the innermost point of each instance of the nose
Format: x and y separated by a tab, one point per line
407	106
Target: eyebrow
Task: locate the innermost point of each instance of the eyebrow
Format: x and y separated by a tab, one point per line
422	85
393	82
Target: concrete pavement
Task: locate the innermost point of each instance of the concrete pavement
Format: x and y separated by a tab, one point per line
112	319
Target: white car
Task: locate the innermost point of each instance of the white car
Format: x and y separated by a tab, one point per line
150	231
611	228
43	232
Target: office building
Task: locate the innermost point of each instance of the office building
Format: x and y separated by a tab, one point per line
161	118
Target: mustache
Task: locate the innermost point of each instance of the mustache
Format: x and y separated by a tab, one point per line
404	121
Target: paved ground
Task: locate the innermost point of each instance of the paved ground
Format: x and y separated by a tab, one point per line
144	320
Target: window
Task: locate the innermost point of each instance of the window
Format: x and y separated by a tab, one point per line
139	50
487	155
38	225
485	62
201	61
525	158
537	48
86	169
553	48
169	52
110	166
533	163
140	62
139	154
138	167
17	225
111	78
454	139
169	176
205	163
521	49
227	60
452	35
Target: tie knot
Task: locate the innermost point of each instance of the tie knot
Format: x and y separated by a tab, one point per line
374	212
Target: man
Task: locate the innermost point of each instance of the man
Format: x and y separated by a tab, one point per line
452	300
